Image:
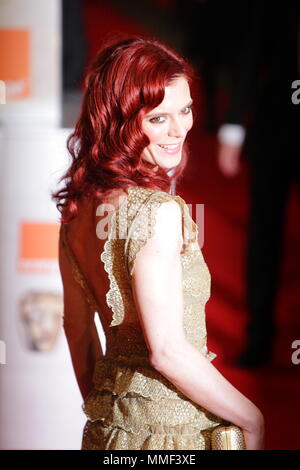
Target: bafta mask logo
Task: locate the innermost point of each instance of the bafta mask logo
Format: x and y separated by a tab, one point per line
41	319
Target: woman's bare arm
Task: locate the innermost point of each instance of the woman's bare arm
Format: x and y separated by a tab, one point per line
157	289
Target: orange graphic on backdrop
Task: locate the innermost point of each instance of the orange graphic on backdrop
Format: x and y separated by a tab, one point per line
14	63
39	241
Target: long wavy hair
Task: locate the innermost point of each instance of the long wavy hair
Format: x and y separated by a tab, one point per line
125	81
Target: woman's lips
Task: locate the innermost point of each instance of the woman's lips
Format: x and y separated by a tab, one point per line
170	149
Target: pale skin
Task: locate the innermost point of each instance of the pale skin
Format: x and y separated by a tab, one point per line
168	125
156	284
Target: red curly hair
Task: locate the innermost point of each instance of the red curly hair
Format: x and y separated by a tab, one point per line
125	81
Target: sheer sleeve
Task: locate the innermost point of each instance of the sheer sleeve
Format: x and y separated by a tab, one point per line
142	227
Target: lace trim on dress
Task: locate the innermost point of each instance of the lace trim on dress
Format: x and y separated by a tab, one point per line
101	435
142	205
122	379
190	227
140	220
116	381
135	414
113	296
142	227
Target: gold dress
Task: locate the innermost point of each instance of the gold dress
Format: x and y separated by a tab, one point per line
132	406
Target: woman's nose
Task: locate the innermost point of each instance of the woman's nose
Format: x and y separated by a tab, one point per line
177	128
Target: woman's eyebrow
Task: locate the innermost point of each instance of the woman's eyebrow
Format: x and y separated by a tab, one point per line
162	112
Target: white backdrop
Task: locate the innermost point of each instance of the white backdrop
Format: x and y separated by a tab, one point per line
40	403
42	19
40	399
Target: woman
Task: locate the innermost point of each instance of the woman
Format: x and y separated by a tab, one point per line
155	387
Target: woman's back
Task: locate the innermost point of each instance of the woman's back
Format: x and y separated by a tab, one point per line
87	244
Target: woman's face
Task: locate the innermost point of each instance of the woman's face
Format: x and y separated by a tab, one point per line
167	125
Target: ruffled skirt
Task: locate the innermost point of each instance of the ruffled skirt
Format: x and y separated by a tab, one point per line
136	408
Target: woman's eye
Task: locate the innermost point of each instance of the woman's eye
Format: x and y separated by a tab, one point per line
187	109
157	120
